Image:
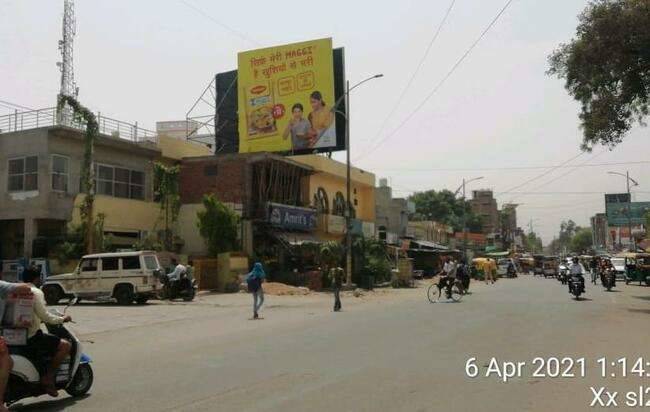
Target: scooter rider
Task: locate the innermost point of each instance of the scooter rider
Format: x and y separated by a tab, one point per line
6	364
39	344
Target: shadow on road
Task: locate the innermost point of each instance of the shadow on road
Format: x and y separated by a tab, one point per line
49	405
642	297
646	311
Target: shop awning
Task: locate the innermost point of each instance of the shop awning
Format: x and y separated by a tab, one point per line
297	238
425	244
498	254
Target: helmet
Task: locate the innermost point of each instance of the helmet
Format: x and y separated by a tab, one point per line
575	259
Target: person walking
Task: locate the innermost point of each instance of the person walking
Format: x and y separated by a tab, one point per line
336	276
254	280
489	271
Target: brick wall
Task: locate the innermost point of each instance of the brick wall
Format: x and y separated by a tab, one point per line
224	178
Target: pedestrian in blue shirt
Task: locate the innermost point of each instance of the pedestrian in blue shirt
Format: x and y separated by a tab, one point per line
254	280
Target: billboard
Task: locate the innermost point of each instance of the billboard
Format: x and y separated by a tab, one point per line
285	98
623	214
291	217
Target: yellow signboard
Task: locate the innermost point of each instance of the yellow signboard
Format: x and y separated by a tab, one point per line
285	96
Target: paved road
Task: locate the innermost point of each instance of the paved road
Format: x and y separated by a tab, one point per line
391	354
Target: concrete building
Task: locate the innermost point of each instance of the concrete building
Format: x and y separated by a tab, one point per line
508	221
259	186
599	230
40	167
484	204
391	214
431	231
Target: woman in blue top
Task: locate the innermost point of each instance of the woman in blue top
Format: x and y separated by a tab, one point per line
255	279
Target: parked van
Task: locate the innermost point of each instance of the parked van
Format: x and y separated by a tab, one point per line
125	276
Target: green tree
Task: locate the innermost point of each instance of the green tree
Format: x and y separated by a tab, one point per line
331	255
445	207
607	68
532	243
82	115
217	225
582	241
167	192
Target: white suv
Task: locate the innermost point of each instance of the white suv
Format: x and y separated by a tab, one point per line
125	276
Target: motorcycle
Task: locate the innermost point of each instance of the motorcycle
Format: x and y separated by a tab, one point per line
184	287
564	274
75	375
608	279
576	286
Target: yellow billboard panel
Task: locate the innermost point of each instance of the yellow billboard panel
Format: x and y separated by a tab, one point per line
285	97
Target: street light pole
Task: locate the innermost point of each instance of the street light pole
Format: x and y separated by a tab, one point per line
348	209
462	187
629	205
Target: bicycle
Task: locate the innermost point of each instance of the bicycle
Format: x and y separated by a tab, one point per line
437	291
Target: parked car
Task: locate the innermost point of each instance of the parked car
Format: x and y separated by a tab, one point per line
125	277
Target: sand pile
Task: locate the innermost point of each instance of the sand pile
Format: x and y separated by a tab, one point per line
280	289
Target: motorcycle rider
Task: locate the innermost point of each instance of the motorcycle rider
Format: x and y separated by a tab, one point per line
179	269
6	363
39	344
576	271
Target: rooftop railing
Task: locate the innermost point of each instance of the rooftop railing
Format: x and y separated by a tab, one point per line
33	119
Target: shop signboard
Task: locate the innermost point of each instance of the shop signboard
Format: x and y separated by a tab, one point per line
291	217
335	224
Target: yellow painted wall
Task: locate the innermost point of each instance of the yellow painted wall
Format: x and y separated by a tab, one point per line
336	168
365	194
177	149
331	176
189	232
121	214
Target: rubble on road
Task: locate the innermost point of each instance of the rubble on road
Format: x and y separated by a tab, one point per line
281	289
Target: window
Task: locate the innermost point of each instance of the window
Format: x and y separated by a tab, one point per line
119	182
151	262
110	263
23	174
88	265
60	173
131	262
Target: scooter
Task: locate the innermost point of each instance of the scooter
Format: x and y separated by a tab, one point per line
576	286
75	375
184	287
608	279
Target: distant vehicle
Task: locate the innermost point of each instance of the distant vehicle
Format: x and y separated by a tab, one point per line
551	266
619	267
125	277
637	268
502	266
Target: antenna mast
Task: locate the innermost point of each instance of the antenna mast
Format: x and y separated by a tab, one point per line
66	46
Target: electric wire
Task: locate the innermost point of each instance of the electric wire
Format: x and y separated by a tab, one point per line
439	85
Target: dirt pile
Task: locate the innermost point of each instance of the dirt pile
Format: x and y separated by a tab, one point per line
280	289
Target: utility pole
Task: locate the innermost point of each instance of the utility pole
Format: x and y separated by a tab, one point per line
462	188
348	209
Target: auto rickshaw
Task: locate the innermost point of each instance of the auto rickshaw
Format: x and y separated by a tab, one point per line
551	266
637	267
481	266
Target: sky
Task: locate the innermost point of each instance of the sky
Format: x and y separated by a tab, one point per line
148	61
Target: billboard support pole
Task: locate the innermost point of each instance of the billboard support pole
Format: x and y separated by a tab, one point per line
348	183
